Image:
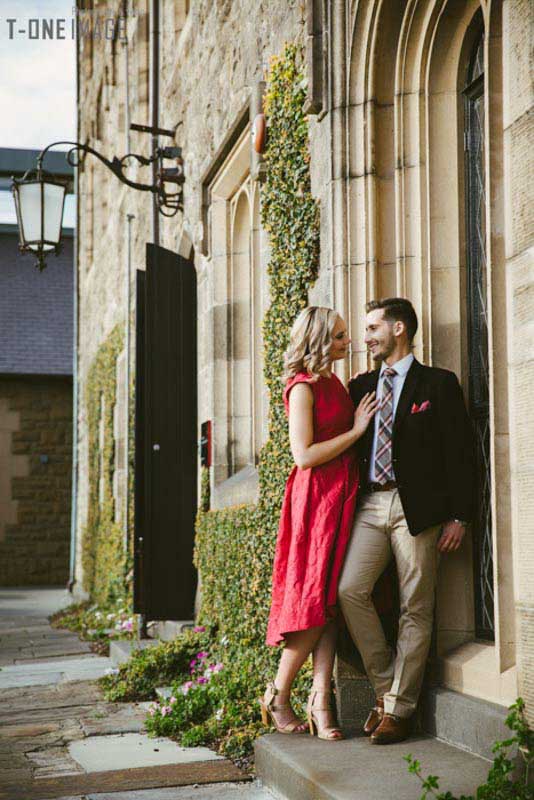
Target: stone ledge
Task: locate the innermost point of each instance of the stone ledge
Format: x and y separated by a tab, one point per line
306	768
167	630
464	721
121	650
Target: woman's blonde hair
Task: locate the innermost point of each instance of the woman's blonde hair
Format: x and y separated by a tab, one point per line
310	342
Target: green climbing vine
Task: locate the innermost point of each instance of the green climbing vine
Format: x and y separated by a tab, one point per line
242	539
235	546
106	566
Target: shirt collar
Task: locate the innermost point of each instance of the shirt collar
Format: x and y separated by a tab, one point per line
401	367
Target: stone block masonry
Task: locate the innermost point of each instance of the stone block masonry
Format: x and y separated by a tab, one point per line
35	480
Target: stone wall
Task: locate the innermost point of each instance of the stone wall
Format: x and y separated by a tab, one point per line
387	169
518	125
35	480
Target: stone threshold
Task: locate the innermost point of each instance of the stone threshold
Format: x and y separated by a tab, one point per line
301	767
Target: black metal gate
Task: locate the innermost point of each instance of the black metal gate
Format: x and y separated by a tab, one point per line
478	335
165	437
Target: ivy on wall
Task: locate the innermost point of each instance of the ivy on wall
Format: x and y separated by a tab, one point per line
234	547
104	561
242	539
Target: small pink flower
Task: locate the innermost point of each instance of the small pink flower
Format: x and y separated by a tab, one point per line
218	667
202	680
202	655
199	629
192	663
172	700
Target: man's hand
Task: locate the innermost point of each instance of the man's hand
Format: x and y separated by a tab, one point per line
451	537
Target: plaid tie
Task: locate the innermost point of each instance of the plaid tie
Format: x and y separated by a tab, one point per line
383	462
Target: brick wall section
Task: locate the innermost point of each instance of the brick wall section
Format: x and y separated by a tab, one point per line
35	549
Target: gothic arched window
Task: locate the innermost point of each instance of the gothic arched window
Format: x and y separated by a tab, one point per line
477	307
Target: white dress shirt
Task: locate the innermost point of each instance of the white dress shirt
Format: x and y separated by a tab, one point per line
401	368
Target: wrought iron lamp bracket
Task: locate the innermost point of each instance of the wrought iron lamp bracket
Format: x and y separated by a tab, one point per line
169	203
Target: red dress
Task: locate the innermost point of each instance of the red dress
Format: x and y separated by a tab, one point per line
316	519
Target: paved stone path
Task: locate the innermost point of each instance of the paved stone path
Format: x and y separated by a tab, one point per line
59	738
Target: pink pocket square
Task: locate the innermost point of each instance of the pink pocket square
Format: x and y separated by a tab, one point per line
425	405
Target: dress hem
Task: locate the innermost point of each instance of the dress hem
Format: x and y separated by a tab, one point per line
332	612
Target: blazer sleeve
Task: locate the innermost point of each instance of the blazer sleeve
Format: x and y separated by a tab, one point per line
357	388
457	446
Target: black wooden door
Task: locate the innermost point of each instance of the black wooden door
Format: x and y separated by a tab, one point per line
166	446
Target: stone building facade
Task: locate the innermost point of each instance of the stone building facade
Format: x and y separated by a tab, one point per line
35	402
421	143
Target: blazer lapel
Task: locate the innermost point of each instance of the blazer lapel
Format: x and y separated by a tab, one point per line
408	390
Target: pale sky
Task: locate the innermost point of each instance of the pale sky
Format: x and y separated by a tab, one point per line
38	76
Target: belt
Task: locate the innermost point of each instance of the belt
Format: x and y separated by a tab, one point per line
379	487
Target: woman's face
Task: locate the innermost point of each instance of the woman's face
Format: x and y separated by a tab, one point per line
340	340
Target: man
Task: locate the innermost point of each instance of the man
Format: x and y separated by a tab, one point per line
416	498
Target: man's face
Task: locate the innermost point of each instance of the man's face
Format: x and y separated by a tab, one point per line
379	336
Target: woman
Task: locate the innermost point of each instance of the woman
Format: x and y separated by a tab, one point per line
316	518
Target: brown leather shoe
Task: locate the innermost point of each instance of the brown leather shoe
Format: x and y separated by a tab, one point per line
392	729
375	717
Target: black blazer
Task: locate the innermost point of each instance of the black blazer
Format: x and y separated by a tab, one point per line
433	451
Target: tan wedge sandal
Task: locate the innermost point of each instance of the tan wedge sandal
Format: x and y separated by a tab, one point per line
320	701
267	716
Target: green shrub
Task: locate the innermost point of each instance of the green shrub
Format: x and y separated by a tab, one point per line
98	625
161	665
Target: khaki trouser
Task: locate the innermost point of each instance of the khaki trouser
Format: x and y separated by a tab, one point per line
380	530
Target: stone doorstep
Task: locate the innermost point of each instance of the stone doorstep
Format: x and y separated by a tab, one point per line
464	721
306	768
121	649
167	630
105	753
458	719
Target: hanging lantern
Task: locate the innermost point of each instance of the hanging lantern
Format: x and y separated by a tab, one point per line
39	203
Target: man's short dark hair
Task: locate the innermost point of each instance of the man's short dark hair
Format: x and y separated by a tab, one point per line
397	309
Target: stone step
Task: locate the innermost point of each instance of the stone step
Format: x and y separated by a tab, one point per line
164	692
56	671
457	718
302	767
120	650
464	721
210	791
167	630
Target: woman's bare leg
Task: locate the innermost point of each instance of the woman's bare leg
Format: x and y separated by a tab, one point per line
299	645
324	654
